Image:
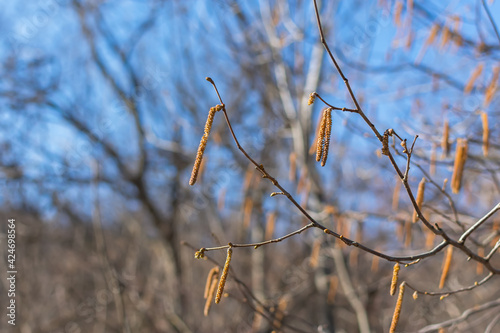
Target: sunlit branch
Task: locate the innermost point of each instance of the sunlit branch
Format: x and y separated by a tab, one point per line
451	292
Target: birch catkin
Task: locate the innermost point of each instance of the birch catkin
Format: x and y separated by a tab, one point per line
445	142
492	87
385	144
458	166
474	76
332	290
397	310
223	277
486	133
314	143
328	134
432	34
210	294
321	137
203	145
395	194
394	281
313	260
420	198
432	164
213	272
311	99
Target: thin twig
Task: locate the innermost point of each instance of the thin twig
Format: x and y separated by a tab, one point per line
466	314
451	292
313	222
487	10
478	224
351	93
256	245
334	107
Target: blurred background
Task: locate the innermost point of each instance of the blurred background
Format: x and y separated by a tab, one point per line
103	104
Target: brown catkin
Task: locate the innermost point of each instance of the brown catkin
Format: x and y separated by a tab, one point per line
397	13
432	34
292	174
446	266
432	164
213	272
328	134
313	260
321	136
257	318
395	194
249	175
385	144
408	233
397	310
445	142
420	198
311	99
430	39
210	295
301	185
394	281
202	146
332	290
473	77
486	133
247	212
221	200
458	166
314	142
400	230
492	87
409	39
429	238
270	223
280	312
375	262
409	6
199	178
479	266
223	277
445	37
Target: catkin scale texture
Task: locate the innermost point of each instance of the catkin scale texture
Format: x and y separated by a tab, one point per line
202	146
223	277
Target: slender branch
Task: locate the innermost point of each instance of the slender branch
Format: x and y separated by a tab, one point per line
404	177
351	93
352	297
492	324
466	314
451	292
314	223
244	289
442	190
487	10
260	167
478	224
